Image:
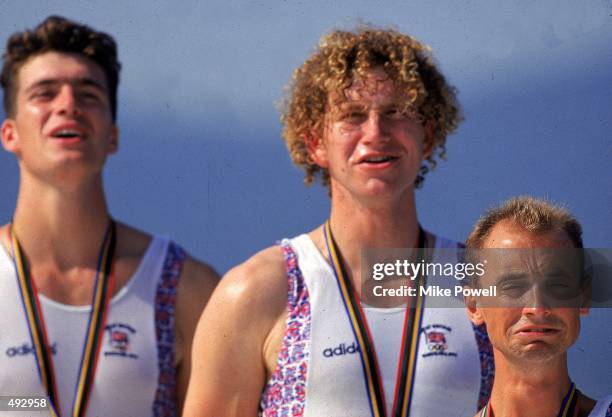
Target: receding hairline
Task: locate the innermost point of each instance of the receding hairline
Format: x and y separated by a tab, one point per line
512	227
531	214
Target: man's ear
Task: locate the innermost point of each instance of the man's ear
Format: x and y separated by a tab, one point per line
113	145
429	142
473	311
10	136
316	149
585	302
586	292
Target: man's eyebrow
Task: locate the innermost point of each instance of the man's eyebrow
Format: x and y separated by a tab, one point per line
349	105
356	104
512	277
42	83
91	82
84	81
560	274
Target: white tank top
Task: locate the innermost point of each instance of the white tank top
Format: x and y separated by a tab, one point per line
331	380
128	373
603	408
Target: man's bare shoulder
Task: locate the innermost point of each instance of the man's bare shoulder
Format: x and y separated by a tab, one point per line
265	267
198	277
259	284
195	286
230	342
131	242
4	237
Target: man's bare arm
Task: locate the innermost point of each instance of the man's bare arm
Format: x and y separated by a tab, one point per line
195	287
232	352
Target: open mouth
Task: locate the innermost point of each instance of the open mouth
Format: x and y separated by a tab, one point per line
538	330
67	134
376	160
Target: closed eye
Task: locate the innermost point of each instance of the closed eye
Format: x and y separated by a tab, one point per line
43	94
90	97
394	113
91	94
353	116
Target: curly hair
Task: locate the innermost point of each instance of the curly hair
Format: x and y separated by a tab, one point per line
340	58
59	34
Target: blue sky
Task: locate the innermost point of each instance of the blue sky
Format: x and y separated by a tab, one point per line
201	157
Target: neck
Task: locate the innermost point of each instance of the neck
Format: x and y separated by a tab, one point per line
356	226
60	227
537	389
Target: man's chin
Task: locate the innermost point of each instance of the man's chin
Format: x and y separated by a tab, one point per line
386	188
536	351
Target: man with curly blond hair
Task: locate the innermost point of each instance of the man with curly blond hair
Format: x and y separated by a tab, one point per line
288	331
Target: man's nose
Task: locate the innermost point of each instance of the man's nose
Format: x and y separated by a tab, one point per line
375	127
66	101
536	301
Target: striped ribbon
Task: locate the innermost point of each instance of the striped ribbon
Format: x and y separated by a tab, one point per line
569	405
410	338
95	328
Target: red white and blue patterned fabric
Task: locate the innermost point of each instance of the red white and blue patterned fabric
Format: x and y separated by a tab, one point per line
319	371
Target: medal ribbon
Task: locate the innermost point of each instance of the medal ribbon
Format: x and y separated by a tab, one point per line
367	352
569	405
95	329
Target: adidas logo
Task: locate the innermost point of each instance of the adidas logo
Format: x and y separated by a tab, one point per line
340	350
26	349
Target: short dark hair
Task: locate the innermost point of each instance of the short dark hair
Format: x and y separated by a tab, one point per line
59	34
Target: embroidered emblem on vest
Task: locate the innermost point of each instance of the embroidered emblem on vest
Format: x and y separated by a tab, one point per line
119	335
436	339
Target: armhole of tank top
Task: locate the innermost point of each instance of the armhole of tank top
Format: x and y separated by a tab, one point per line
487	365
144	279
485	353
292	360
600	407
164	403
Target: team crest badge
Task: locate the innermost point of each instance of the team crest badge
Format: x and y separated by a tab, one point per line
119	335
436	339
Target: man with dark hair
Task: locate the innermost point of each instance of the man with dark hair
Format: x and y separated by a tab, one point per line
533	255
96	315
288	332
